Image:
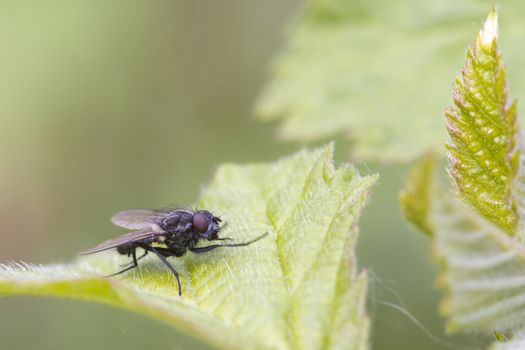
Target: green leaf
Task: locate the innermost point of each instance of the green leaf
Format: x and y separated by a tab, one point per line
516	343
482	268
298	288
500	337
377	72
483	127
416	198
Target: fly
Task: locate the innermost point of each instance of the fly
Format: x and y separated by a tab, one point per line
176	230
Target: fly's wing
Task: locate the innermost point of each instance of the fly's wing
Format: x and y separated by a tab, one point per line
139	219
124	239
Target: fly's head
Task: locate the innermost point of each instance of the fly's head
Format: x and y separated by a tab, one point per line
206	225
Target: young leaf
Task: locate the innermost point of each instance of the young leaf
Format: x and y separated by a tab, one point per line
483	127
298	288
377	71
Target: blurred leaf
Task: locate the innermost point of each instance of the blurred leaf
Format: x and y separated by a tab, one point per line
377	71
500	337
298	288
482	268
483	127
517	343
417	197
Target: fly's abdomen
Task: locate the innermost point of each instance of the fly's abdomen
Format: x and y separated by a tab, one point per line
125	249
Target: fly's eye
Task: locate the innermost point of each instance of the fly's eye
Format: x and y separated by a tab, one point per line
200	222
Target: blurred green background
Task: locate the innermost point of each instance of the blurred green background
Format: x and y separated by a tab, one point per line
110	105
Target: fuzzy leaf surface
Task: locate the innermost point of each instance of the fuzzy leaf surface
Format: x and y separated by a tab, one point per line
298	288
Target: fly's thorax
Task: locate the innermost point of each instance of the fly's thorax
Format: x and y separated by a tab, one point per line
177	221
178	243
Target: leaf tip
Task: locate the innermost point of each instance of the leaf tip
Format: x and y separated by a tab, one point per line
489	32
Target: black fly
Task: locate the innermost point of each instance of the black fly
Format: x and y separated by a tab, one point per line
178	230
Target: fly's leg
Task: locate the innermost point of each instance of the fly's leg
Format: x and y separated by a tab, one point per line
162	256
167	252
199	250
140	257
132	266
